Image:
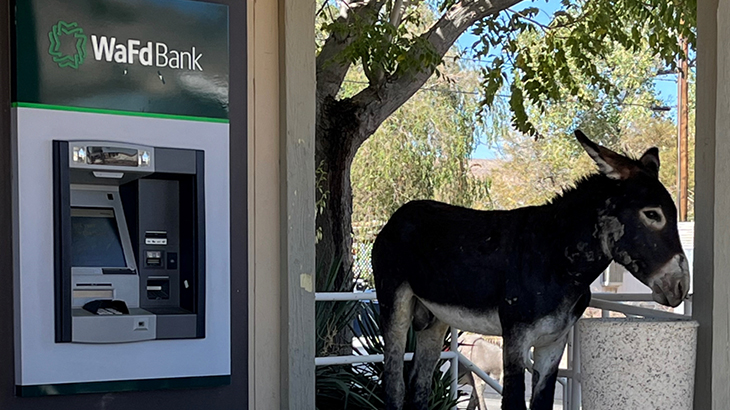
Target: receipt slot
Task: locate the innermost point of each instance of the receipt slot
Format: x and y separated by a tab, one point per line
130	242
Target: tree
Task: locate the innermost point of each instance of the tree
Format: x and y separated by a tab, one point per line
398	50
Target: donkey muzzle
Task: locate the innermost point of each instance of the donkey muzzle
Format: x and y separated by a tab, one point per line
670	285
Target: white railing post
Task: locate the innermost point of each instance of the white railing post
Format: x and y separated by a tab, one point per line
455	365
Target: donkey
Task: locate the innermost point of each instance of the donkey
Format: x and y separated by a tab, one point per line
486	355
523	274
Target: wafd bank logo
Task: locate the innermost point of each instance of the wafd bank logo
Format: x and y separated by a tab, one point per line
111	49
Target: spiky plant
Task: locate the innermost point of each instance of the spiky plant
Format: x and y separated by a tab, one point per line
357	387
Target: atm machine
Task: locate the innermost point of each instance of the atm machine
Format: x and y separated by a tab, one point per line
129	224
121	196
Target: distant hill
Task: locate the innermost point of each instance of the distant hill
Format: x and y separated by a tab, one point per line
482	168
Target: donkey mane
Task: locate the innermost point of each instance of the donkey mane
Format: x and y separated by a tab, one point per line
589	187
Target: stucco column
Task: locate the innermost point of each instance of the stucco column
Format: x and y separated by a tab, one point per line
297	186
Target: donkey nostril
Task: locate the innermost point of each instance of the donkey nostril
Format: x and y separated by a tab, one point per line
680	290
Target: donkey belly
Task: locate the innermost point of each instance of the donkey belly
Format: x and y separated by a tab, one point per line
486	323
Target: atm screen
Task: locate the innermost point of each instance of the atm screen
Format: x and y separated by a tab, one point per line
95	239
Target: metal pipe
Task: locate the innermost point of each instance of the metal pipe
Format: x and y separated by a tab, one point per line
342	296
635	310
688	307
626	297
368	358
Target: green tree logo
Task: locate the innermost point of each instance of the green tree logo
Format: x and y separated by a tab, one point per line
64	30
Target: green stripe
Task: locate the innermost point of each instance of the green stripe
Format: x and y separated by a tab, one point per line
118	112
122	385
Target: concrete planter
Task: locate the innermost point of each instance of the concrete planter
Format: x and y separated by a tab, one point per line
637	364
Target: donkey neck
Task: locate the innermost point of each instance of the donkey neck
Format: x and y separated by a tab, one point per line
584	230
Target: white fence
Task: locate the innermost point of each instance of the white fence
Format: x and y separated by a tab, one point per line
568	378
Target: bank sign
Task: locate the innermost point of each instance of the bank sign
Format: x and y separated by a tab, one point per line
166	57
111	49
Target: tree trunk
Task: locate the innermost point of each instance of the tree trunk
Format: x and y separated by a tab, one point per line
334	152
337	130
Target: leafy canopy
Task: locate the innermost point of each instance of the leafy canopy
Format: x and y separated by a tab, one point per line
569	52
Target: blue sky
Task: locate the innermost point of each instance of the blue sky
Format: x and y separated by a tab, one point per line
666	85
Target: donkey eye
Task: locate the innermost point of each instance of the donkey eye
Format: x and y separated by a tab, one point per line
653	215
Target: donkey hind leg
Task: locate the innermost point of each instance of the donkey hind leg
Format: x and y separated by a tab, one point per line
515	354
396	320
429	343
468	378
545	373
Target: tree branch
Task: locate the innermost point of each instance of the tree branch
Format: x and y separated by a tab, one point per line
331	71
377	102
396	13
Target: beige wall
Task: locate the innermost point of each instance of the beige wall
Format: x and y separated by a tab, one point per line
264	205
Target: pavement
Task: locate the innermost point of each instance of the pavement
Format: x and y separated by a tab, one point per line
494	400
494	404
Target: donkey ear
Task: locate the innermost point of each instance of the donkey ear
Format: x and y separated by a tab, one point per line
610	164
650	159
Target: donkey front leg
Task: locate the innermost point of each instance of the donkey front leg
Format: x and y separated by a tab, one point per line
515	355
429	343
545	373
479	386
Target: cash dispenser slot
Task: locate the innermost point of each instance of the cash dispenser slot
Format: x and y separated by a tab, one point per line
107	307
130	242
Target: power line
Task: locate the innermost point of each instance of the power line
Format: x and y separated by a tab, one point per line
507	97
434	89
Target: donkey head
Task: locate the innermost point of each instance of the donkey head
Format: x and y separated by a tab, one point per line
638	226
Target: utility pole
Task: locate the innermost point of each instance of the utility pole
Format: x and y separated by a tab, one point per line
682	140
